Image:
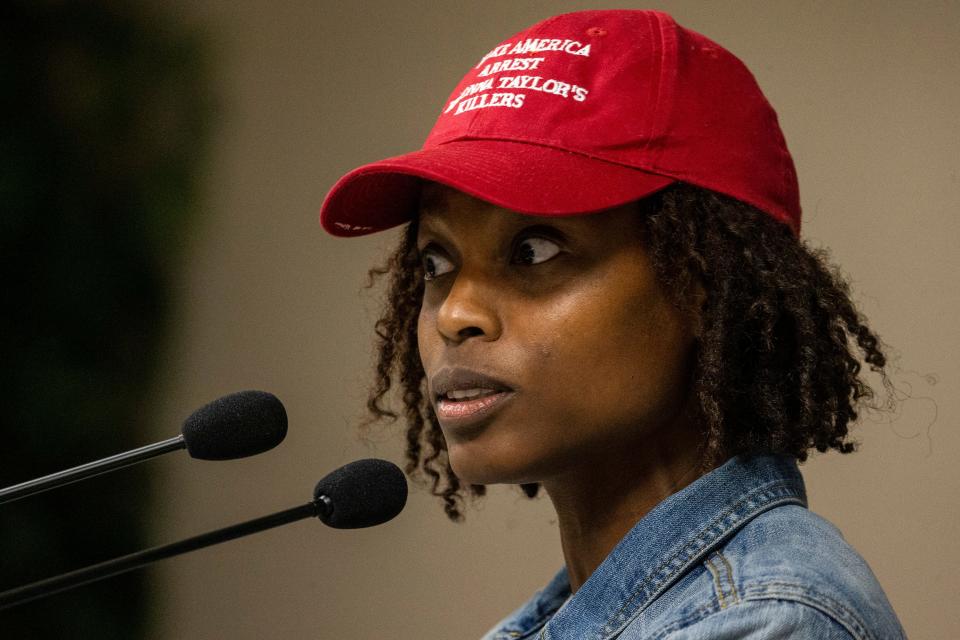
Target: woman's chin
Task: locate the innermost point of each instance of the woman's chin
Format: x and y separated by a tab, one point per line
477	465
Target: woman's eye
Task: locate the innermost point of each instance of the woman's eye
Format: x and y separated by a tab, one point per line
535	251
435	265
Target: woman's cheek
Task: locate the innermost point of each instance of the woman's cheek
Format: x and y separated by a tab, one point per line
426	335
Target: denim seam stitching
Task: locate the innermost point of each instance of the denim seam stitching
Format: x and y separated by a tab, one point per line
730	578
690	618
721	597
768	496
702	612
816	600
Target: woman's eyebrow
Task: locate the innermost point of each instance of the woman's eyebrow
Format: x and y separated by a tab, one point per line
430	226
433	227
551	230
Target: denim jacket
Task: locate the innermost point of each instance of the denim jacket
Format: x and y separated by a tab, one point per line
735	554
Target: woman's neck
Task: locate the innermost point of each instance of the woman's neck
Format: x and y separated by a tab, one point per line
599	501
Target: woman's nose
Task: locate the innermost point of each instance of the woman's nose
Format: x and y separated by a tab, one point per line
469	310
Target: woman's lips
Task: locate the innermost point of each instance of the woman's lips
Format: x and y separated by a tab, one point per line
460	413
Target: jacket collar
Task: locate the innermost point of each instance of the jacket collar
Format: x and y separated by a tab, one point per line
674	536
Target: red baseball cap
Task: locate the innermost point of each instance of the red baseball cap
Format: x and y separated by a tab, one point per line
583	112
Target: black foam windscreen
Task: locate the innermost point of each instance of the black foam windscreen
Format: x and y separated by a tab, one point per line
362	493
235	426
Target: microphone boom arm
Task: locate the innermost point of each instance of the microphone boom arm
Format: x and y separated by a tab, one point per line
90	469
123	564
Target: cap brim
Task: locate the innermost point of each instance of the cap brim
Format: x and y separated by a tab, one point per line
527	178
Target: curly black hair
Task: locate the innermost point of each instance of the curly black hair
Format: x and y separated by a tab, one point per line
776	367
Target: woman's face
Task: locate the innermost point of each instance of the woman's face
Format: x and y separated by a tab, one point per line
547	344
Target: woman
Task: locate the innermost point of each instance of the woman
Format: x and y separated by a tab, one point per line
601	291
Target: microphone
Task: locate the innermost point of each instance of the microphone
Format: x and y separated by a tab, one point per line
363	493
235	426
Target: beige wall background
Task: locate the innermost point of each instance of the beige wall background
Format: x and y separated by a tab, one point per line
868	96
